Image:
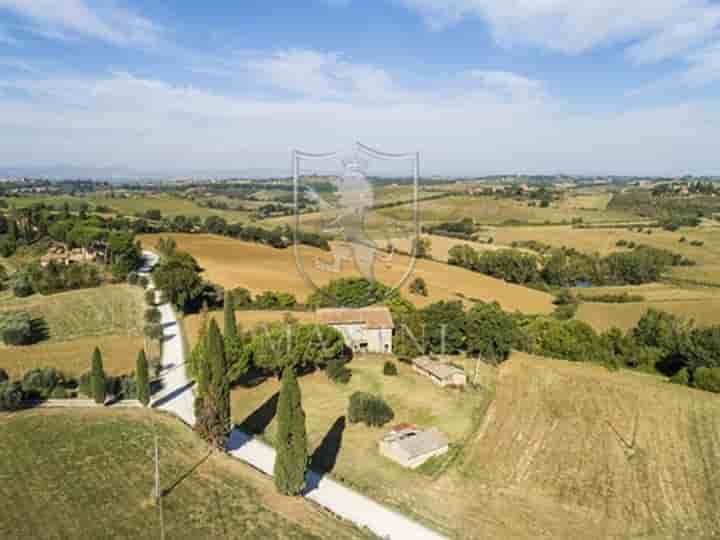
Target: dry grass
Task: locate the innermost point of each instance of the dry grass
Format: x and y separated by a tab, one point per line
101	311
490	210
625	316
413	398
73	357
89	474
232	263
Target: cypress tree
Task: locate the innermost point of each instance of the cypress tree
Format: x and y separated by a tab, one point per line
291	441
98	377
230	323
213	402
142	379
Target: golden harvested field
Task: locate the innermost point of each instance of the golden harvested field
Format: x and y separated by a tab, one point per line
73	357
350	451
625	316
441	245
99	311
246	319
89	474
232	263
491	210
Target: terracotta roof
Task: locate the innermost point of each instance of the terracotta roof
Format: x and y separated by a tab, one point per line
440	370
371	317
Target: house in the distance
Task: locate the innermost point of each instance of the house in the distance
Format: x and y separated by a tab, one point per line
440	373
365	330
410	446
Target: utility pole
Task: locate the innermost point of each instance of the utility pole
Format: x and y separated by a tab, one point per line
157	494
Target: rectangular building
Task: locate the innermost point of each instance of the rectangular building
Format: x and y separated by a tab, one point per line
365	330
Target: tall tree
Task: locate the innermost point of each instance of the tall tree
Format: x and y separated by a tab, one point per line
213	400
98	377
230	322
142	379
291	441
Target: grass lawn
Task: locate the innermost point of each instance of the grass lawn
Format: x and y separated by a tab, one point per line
351	451
89	474
232	263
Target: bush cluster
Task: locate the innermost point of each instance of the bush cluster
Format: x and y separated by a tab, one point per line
390	369
337	371
16	329
371	410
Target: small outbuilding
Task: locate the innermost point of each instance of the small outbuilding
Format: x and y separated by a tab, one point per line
410	446
440	373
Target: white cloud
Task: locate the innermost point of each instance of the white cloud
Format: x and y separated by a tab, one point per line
129	121
658	28
507	83
72	18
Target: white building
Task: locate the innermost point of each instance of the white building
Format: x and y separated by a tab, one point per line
365	330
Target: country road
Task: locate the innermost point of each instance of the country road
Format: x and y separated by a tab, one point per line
177	398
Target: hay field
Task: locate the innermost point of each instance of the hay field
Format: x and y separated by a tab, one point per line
245	319
440	246
99	311
600	316
350	451
548	460
232	263
73	357
109	317
89	474
490	210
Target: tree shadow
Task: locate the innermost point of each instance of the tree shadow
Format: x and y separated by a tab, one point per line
168	490
39	329
325	455
258	421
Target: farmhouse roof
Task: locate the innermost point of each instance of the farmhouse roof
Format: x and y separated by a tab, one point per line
371	317
440	370
415	442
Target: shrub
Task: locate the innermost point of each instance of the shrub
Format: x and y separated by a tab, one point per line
682	240
143	282
40	382
133	278
697	243
707	379
681	377
22	288
369	409
10	396
59	392
153	315
337	371
17	329
3	375
389	368
418	287
150	298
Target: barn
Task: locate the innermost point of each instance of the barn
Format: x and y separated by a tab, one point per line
365	330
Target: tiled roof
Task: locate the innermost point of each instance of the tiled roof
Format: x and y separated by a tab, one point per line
371	317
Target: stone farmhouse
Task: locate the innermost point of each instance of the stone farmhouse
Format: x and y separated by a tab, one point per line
410	446
440	373
365	330
60	254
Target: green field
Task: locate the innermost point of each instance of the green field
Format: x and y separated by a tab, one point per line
89	474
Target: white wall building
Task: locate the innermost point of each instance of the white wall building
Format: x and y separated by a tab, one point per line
365	330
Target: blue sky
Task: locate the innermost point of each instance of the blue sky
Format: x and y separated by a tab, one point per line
478	86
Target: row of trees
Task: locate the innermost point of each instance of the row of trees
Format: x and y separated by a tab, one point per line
567	267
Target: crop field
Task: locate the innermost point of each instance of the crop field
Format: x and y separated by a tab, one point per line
603	316
77	321
170	206
245	319
89	474
350	451
440	246
490	210
232	263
